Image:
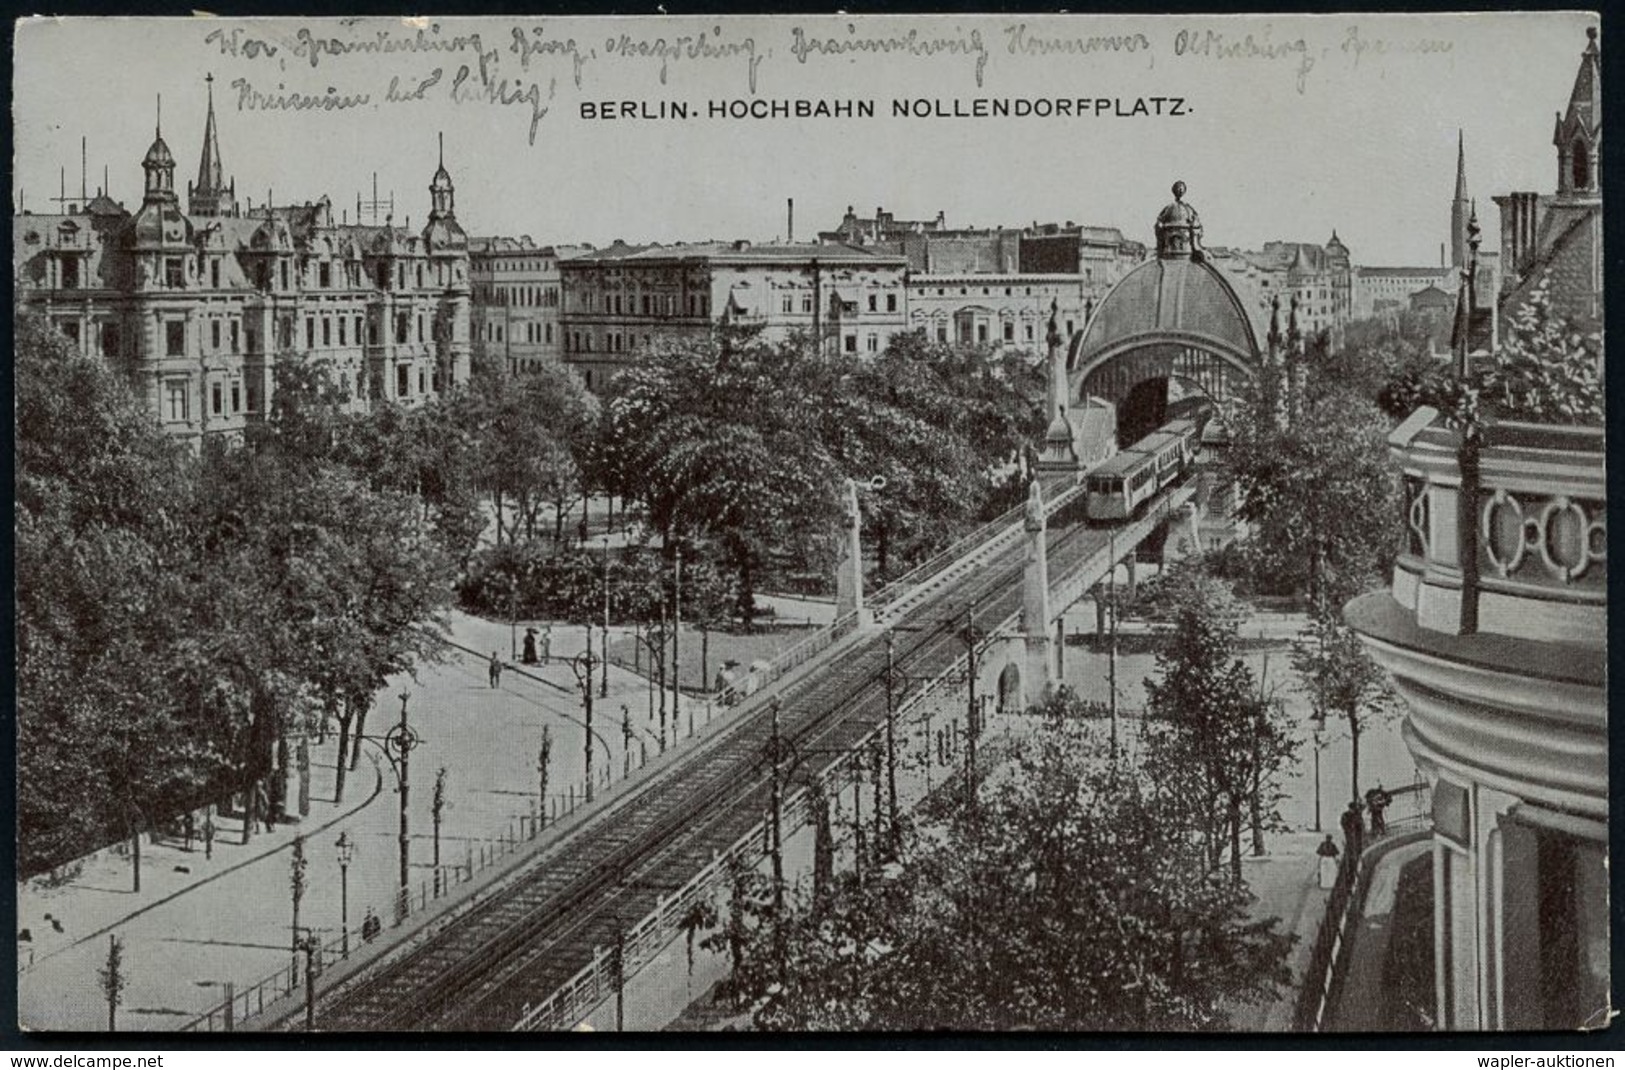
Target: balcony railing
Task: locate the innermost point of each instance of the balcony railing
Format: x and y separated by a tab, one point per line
1514	544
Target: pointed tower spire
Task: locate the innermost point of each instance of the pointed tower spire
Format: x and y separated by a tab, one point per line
1578	132
1458	207
1461	164
209	195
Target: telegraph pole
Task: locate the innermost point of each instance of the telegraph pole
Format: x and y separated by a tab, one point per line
778	811
603	647
676	632
971	731
1111	664
891	736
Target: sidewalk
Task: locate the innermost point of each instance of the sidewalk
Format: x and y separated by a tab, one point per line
199	922
1286	884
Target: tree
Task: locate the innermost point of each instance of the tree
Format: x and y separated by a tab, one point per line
722	439
1209	726
103	611
527	433
113	979
1074	897
1315	484
1342	680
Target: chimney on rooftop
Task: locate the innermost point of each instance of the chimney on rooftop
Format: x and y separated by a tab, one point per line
789	220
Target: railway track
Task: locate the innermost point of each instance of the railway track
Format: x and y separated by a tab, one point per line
483	969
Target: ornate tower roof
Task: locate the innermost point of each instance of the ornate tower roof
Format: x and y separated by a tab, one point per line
443	231
159	164
1578	134
1585	102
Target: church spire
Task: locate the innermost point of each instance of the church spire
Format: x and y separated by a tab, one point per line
1459	208
209	196
1461	165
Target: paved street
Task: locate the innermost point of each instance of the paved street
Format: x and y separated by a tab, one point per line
228	918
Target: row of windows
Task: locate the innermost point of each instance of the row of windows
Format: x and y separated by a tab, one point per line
331	330
498	264
174	274
518	296
1009	291
534	332
613	342
651	305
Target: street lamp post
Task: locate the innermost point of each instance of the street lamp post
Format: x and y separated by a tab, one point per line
436	809
583	666
653	638
543	758
399	745
1320	741
346	854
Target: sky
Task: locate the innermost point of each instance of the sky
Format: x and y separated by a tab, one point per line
1286	128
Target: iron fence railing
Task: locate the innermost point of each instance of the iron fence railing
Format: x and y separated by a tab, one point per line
1409	812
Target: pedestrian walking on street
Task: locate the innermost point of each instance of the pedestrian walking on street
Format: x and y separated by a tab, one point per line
1376	801
188	828
1353	828
529	655
547	643
208	832
496	670
1328	861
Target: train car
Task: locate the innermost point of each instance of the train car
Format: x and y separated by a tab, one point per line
1122	484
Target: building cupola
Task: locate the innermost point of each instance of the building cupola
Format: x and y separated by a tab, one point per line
159	165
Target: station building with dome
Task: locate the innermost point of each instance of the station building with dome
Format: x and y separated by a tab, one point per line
198	305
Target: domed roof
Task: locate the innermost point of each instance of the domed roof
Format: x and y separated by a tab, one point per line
1186	302
158	155
159	224
444	234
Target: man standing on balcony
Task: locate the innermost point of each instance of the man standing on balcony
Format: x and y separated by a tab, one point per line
1353	828
1377	800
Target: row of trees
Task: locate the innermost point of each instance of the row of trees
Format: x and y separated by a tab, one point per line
185	622
742	443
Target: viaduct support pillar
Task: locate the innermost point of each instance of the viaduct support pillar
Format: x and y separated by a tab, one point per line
849	570
1035	609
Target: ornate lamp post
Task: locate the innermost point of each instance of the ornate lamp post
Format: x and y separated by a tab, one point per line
583	665
346	854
